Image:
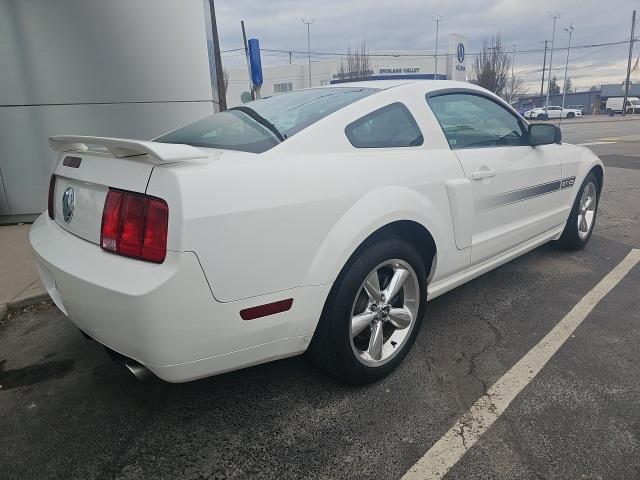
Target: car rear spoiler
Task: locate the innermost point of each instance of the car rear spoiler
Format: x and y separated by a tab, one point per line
123	147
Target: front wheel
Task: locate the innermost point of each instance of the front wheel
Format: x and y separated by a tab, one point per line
582	219
540	116
571	115
373	313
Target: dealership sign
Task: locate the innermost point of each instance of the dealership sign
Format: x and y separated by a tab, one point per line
386	71
456	58
395	71
460	54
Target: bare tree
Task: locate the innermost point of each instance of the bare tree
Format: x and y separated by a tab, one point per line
568	85
554	88
491	67
356	65
514	88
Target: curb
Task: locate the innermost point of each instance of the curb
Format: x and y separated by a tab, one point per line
7	308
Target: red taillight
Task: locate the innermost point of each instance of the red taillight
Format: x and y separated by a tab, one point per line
135	225
52	188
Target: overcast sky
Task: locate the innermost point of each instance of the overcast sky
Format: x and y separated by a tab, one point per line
406	25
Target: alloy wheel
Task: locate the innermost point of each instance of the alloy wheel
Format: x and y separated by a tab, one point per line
587	212
384	312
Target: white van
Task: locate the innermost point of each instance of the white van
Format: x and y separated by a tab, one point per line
614	104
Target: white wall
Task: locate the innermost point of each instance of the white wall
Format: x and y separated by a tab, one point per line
111	68
325	71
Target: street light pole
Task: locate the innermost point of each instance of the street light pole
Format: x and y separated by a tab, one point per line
555	16
544	69
437	19
308	23
626	84
569	30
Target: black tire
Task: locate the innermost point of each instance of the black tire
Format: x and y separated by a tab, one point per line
540	116
331	346
571	238
571	115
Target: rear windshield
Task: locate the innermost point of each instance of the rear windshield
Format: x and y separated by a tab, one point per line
260	125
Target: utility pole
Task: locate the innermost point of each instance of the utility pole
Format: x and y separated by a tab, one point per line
626	84
555	16
437	19
544	68
308	23
222	97
569	30
246	54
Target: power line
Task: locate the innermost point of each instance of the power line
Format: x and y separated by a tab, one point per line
418	54
573	60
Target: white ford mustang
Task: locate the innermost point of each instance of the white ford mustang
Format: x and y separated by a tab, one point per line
553	112
319	220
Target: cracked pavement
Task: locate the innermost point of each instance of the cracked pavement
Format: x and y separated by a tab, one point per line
68	412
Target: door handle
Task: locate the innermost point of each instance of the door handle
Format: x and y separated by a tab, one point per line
481	174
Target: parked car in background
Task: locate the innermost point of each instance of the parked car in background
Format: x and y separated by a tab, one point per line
317	220
553	112
578	107
614	105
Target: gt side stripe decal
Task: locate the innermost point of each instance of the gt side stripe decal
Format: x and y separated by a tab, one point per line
567	182
514	196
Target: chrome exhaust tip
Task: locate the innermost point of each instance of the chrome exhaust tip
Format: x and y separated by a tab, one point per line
139	371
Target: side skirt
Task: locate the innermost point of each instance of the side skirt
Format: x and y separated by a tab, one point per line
442	286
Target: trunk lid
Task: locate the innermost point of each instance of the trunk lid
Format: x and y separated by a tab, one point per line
83	176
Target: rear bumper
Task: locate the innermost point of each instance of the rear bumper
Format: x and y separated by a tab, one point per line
165	316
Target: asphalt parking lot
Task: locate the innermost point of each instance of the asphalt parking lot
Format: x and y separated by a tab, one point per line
67	411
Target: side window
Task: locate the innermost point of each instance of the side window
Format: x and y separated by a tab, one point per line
390	126
473	121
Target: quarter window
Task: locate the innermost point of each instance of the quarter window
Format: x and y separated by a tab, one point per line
387	127
474	121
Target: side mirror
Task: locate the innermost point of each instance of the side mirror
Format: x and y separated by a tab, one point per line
544	134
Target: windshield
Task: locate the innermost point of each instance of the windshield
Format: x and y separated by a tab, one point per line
260	125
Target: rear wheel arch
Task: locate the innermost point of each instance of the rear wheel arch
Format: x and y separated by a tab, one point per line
408	230
412	232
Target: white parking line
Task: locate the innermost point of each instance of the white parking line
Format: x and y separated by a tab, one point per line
595	143
446	452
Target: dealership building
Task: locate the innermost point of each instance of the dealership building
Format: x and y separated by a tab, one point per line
113	69
283	78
